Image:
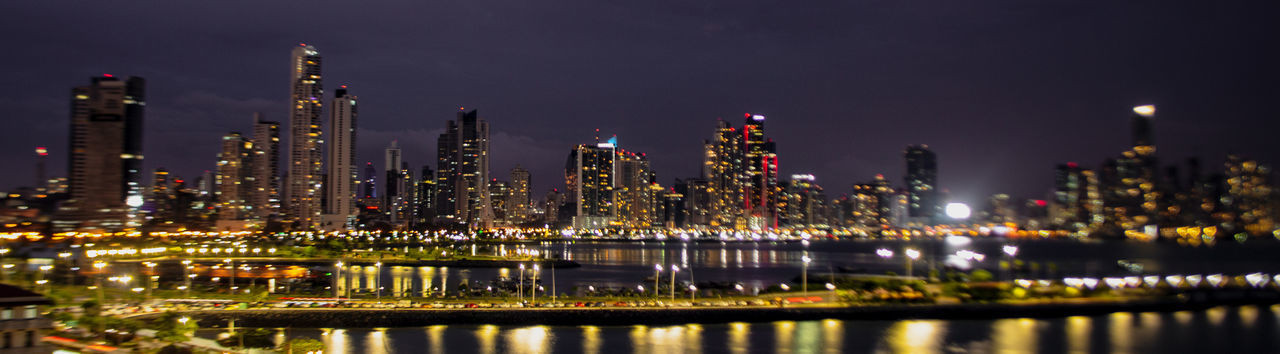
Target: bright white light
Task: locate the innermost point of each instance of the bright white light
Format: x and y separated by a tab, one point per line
913	254
958	210
133	201
1011	250
884	253
1145	110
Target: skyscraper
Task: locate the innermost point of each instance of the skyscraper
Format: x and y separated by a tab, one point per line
304	135
519	204
760	187
232	187
463	180
922	182
105	155
424	206
393	191
266	167
589	173
723	170
342	173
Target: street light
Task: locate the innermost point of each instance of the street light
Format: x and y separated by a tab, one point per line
186	273
97	279
337	280
674	269
534	288
832	287
912	255
804	275
231	287
520	290
377	280
693	291
657	269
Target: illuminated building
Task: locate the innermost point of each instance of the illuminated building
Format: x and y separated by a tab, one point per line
760	173
1076	204
723	170
305	137
340	188
589	177
393	191
633	195
161	194
499	195
463	181
698	200
519	203
105	155
232	184
870	206
266	167
424	203
370	184
922	182
803	203
1249	196
552	205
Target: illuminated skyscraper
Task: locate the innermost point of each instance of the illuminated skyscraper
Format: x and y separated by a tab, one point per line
760	169
342	174
589	175
232	183
305	137
105	155
266	167
803	203
463	181
426	194
393	191
922	182
723	170
519	205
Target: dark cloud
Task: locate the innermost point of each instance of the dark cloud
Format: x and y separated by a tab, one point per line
1003	90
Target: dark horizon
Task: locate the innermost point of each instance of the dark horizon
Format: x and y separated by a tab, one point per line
1002	92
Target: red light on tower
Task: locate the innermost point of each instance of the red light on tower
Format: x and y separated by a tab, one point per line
40	150
343	86
1041	203
748	114
107	75
1072	164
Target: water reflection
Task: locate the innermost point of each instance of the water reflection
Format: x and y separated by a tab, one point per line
1245	329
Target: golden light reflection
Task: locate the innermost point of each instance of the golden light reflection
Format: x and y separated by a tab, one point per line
692	338
1014	335
1216	315
1248	315
590	340
435	336
535	339
639	338
916	336
487	339
1078	329
832	336
376	342
1121	332
783	336
739	333
808	337
335	341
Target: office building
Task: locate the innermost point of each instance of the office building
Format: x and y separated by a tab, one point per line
305	138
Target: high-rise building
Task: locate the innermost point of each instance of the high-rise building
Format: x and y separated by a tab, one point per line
370	181
1251	206
393	190
803	202
342	174
463	180
105	155
589	175
870	206
723	170
922	183
305	137
232	184
161	194
266	167
424	206
760	174
520	203
499	194
635	201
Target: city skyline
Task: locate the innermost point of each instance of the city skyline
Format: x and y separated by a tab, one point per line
993	154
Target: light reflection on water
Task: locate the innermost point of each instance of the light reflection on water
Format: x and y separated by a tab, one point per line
1245	329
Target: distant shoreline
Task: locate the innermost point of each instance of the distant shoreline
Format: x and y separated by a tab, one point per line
417	317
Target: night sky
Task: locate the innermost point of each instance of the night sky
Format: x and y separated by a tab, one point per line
1001	90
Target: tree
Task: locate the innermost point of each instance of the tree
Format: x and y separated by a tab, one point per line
302	345
174	327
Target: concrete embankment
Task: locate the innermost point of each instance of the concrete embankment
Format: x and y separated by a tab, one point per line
357	318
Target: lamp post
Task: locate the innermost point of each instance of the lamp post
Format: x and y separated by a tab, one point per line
693	291
337	280
377	280
912	255
832	287
674	269
231	287
43	269
657	270
97	280
186	275
520	290
804	276
534	288
1011	251
4	273
151	278
66	257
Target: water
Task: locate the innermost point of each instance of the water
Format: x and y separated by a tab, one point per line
757	265
1246	329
